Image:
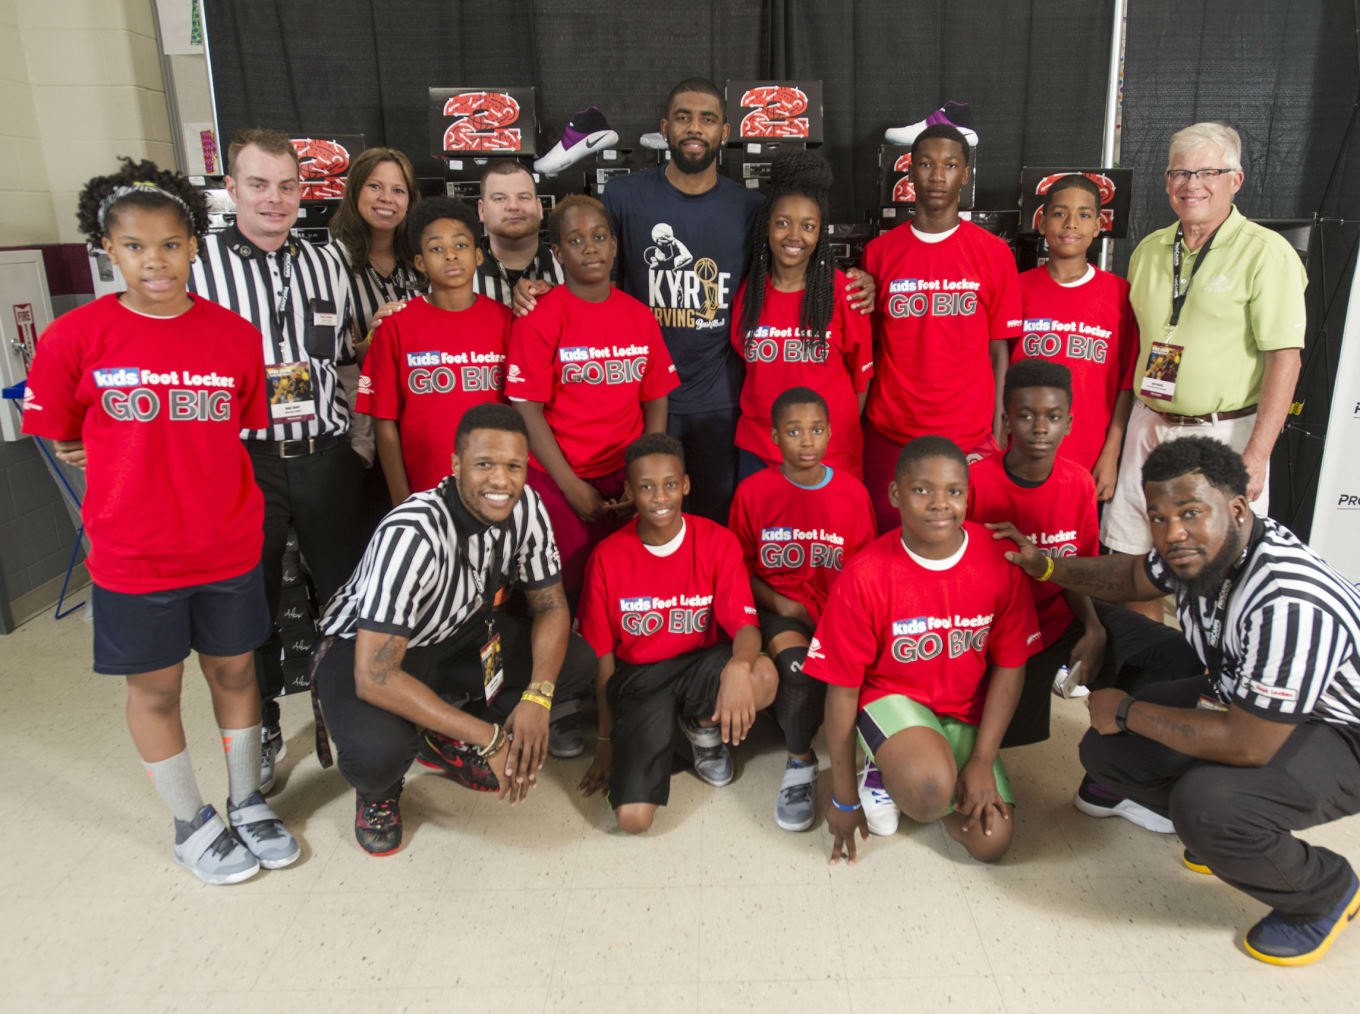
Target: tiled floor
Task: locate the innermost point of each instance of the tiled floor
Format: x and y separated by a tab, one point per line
544	908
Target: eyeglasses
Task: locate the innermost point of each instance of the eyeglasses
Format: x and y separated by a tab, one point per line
1203	175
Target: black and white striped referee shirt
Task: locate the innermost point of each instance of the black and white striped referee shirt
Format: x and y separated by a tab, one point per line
235	273
425	569
493	280
1291	633
371	290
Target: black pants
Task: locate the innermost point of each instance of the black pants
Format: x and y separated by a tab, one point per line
1138	653
1238	820
375	747
318	495
710	459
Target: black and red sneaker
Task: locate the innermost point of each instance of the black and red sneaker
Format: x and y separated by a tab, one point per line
458	760
377	823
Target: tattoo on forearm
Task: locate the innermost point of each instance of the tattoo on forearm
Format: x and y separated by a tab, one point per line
1103	576
386	660
1183	731
545	600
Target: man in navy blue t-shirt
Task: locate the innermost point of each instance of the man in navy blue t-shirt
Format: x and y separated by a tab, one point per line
684	233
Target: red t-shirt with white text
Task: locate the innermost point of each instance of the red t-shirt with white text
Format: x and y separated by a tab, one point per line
797	539
428	366
159	403
838	366
592	365
1090	329
646	608
1058	516
939	306
892	626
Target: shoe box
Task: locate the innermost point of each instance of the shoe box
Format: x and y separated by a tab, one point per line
895	188
610	163
751	162
847	242
1116	190
482	121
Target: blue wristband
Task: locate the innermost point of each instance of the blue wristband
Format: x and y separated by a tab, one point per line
842	806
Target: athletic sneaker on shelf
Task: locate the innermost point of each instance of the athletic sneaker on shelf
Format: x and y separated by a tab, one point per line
459	760
712	759
655	141
272	747
880	812
1195	863
377	823
261	831
1277	940
206	846
1094	800
955	114
567	736
795	808
586	133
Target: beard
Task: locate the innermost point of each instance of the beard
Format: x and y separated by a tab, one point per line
692	166
1207	582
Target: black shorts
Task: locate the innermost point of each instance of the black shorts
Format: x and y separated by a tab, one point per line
135	633
646	700
772	625
1138	652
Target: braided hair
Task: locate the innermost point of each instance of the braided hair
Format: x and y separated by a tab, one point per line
138	185
802	174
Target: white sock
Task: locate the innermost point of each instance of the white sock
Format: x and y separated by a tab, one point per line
174	780
242	747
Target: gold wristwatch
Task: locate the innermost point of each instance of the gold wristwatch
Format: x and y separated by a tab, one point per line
543	687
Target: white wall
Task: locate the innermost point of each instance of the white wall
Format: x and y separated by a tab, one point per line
80	84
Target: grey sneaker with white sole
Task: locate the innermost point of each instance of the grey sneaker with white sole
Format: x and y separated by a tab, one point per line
261	831
207	847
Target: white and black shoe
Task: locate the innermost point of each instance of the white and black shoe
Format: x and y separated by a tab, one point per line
587	133
1095	800
954	114
655	140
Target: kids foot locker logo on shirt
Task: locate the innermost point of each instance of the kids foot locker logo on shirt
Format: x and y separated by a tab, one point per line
922	638
934	297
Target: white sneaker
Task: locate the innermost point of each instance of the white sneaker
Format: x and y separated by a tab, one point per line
954	114
880	812
587	133
655	141
1095	801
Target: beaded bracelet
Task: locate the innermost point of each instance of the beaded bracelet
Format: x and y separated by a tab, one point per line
842	806
497	741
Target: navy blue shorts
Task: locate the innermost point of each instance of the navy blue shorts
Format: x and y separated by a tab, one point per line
134	633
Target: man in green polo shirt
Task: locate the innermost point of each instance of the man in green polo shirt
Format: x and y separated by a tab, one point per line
1220	309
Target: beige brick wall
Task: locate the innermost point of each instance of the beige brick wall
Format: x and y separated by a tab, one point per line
80	84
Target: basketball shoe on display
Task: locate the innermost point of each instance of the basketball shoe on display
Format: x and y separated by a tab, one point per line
586	133
955	114
655	140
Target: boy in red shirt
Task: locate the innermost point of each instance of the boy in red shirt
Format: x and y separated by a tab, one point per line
148	392
792	323
656	594
1032	488
948	308
1078	315
798	523
432	362
590	372
923	641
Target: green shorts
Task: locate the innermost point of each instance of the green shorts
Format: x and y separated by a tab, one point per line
889	715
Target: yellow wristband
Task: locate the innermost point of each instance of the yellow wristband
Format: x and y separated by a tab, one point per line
537	699
1048	569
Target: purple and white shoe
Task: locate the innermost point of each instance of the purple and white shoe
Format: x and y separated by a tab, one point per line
955	114
880	812
1095	800
586	133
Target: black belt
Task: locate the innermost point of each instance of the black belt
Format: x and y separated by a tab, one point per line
1208	417
293	448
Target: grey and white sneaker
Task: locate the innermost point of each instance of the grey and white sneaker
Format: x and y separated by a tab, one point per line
795	808
712	759
206	846
261	831
272	750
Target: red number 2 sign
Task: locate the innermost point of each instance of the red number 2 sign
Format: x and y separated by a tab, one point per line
483	122
777	115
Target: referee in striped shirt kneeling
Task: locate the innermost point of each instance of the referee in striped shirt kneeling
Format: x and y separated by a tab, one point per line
1268	742
419	624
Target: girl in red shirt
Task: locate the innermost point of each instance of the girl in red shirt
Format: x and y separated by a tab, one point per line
791	323
148	392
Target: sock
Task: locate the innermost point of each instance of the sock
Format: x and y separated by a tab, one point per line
242	747
799	702
174	780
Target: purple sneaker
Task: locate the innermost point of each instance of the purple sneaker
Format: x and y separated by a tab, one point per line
587	133
880	812
955	114
1095	800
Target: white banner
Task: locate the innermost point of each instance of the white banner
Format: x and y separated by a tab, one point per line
1336	514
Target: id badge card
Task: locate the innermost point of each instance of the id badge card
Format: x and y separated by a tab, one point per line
1159	375
492	673
292	392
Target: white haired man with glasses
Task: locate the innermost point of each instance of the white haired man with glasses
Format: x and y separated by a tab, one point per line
1221	316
